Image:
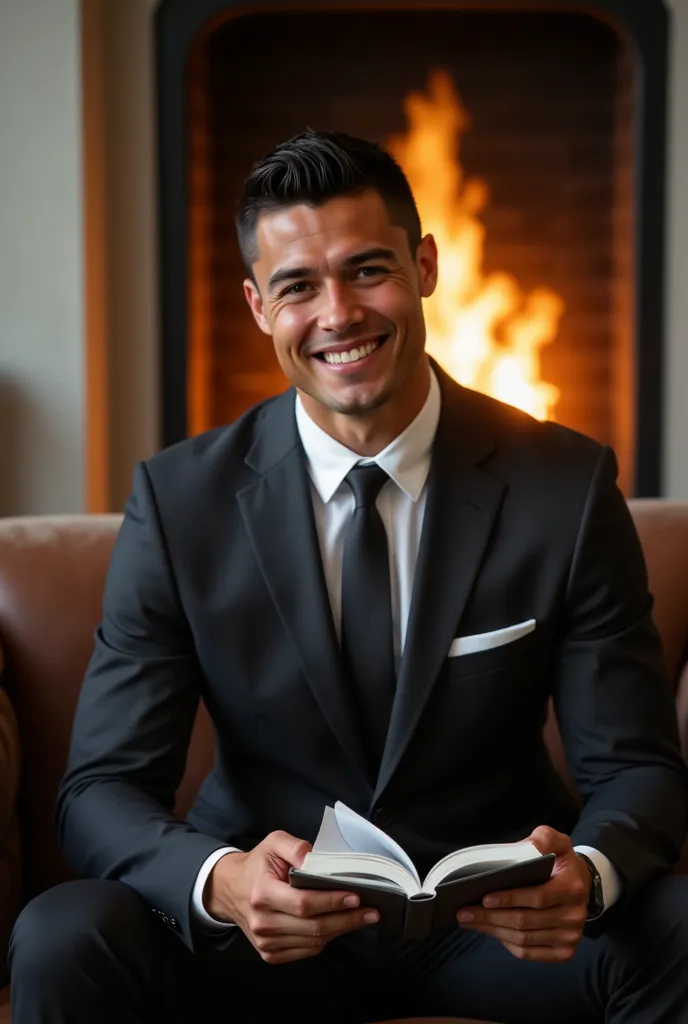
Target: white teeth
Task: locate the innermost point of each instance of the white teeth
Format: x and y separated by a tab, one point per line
353	355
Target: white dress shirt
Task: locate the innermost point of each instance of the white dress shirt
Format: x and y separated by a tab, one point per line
401	504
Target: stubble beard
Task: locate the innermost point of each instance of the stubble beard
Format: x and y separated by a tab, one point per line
356	407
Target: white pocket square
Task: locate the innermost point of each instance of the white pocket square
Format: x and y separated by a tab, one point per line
486	641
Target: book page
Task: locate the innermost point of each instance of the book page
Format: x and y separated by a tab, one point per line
329	838
474	859
364	867
361	835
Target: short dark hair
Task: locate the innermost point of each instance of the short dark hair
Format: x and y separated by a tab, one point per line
314	167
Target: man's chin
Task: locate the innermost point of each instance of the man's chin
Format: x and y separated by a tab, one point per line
357	404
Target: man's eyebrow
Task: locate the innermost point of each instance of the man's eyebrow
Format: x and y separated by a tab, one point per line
355	260
378	253
288	274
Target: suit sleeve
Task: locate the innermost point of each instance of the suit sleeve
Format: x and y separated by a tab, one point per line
132	729
613	700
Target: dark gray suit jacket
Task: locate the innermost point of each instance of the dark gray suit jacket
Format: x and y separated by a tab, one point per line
216	589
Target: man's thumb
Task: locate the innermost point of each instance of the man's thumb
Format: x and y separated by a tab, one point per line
548	840
288	848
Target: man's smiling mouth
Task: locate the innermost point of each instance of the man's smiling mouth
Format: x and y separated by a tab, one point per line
354	354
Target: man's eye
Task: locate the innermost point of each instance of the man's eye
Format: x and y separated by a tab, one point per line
295	289
371	271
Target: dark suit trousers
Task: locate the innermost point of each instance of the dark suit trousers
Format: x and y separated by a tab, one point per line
93	951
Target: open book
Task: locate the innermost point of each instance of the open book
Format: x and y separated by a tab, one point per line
353	855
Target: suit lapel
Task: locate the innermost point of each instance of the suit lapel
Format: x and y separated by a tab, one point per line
278	515
462	505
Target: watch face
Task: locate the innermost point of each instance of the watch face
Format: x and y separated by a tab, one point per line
596	901
596	897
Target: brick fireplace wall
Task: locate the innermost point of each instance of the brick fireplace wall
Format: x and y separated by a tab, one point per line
553	145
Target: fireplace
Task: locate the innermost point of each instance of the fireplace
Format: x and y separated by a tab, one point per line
552	223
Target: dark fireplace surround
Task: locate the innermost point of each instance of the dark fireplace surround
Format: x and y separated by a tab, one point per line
189	37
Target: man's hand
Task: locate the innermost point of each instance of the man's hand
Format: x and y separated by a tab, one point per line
543	922
283	923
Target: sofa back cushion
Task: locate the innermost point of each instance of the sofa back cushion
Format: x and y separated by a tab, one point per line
663	530
52	571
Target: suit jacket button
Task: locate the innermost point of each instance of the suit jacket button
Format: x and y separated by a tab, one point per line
173	922
382	818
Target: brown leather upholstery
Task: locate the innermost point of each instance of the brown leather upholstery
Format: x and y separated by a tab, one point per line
663	529
51	580
9	824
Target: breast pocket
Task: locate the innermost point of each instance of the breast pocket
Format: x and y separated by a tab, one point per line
507	649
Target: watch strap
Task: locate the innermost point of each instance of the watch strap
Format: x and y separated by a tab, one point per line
596	897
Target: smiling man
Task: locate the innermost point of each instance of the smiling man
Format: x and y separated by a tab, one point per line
376	581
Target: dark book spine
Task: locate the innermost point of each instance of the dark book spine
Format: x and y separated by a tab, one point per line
419	913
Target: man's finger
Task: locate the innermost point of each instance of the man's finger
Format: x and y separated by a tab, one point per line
566	888
523	919
537	897
329	926
303	903
285	956
551	937
281	930
541	954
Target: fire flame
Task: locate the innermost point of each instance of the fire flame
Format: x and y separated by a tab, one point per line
483	329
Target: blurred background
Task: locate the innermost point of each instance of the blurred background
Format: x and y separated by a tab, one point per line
546	143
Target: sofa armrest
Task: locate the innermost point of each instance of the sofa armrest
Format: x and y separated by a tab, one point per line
10	765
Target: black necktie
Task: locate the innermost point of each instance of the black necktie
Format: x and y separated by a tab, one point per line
367	642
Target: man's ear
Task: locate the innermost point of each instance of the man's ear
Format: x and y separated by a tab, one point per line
255	302
426	265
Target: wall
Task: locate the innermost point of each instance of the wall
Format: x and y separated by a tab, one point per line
44	436
41	293
676	366
78	378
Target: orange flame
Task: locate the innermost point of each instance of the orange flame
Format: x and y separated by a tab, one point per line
483	329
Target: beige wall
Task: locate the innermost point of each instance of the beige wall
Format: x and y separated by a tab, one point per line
44	437
41	293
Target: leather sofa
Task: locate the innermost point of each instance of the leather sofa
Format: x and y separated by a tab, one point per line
51	578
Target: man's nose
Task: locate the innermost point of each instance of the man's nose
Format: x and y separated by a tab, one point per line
339	308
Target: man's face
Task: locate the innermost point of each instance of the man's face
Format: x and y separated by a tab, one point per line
340	293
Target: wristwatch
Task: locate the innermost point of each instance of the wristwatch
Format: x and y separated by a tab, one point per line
596	898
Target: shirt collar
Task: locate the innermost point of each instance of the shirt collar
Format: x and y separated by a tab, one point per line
406	460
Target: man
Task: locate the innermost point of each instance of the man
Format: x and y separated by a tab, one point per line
314	600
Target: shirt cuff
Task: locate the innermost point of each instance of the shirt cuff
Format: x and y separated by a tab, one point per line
198	912
609	876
